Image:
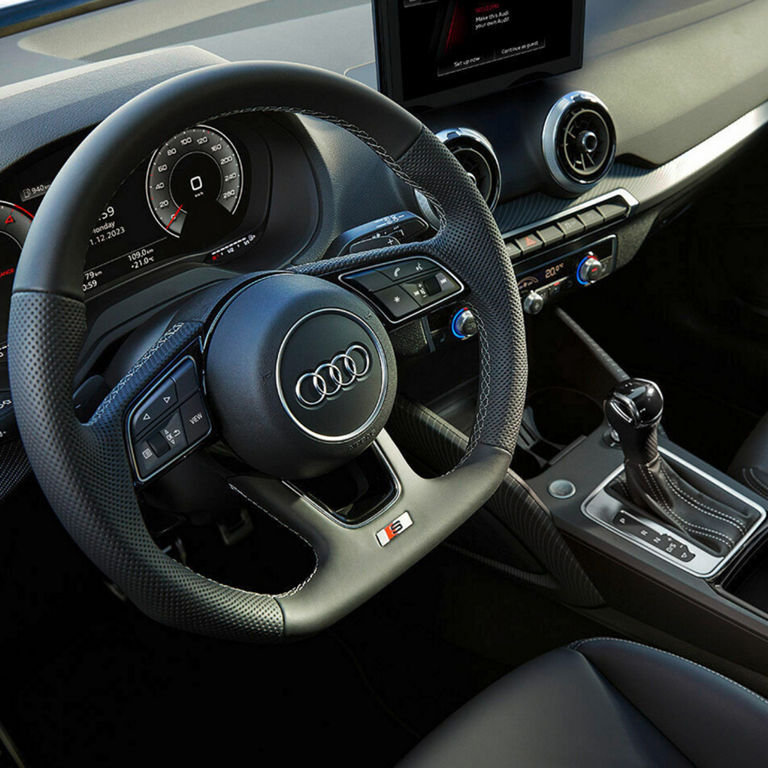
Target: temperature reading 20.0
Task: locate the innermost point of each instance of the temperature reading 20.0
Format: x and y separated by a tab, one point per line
551	272
195	177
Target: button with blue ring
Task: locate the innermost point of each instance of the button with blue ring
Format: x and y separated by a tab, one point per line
464	324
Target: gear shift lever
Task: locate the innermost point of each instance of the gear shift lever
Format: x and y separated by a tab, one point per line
634	409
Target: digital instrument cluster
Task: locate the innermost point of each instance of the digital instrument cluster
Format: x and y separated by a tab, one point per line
188	197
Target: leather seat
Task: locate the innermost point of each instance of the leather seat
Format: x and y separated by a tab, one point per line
604	702
750	464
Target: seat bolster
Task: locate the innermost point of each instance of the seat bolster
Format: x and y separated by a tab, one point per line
750	464
709	718
557	710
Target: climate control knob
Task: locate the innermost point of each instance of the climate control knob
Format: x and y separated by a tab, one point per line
589	269
533	303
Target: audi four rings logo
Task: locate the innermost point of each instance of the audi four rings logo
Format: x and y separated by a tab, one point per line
327	379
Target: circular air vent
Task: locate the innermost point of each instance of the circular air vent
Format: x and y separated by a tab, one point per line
578	141
476	156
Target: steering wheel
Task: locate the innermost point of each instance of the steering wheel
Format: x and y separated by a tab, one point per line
247	342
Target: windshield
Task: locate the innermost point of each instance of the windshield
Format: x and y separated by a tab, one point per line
18	15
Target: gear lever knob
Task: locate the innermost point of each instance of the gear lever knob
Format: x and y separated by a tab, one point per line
634	409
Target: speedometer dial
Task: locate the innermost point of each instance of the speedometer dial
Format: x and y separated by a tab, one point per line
195	176
14	225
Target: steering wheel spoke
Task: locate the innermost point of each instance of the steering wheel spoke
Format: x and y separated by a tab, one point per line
355	562
158	406
401	282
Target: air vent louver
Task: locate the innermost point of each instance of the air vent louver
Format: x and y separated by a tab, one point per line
476	156
579	141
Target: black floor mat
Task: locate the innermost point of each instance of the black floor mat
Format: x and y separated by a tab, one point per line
88	681
137	694
449	628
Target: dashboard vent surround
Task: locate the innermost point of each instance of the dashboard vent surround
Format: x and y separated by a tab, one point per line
477	157
578	141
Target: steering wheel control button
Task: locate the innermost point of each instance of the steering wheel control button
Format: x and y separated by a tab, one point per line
441	284
419	283
372	280
394	529
402	270
561	489
147	415
177	421
396	302
173	433
147	460
158	444
197	425
186	379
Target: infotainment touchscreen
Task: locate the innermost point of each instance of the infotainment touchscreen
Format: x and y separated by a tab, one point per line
435	52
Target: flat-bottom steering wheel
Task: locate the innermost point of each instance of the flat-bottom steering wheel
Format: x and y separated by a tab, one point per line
253	339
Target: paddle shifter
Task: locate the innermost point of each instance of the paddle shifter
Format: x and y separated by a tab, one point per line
634	409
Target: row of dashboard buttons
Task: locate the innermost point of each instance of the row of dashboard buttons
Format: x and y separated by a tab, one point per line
403	288
171	419
568	227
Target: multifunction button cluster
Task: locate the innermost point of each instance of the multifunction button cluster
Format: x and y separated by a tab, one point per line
403	288
569	227
661	541
168	421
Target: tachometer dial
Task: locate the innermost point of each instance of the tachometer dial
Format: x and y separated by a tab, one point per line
14	225
194	179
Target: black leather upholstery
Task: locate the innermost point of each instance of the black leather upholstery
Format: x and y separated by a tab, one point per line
686	503
750	464
599	703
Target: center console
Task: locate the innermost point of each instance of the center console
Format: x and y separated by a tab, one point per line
666	539
674	553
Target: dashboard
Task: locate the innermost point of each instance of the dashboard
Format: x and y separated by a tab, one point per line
671	90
